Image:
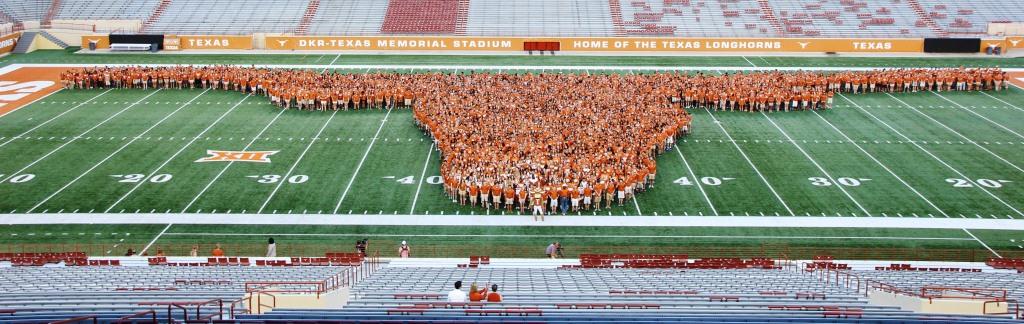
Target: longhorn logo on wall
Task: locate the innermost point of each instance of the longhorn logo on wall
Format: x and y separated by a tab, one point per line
238	156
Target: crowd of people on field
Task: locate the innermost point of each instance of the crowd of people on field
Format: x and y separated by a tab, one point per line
544	143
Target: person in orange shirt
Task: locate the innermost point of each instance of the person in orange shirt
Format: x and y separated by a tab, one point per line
476	295
493	296
217	251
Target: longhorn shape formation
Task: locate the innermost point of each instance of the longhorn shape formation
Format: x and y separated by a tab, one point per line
529	139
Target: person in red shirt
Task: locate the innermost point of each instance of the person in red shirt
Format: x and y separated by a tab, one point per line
217	251
494	297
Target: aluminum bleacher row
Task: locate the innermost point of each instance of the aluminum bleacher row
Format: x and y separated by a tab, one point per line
229	17
678	18
625	292
105	9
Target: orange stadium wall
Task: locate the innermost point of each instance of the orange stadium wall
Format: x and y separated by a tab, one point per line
596	44
8	42
102	41
516	44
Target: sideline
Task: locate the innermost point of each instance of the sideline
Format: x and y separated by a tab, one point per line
524	220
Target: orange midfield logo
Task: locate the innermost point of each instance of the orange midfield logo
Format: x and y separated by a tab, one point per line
238	156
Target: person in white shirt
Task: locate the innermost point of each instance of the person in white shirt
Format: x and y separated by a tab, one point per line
457	295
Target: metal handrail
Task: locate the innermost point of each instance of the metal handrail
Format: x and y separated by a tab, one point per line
231	309
77	319
128	318
220	304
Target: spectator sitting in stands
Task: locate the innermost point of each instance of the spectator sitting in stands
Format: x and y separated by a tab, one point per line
551	250
476	295
456	295
217	251
493	296
131	252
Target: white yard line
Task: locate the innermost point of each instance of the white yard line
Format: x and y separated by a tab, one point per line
31	102
957	133
822	169
15	173
752	237
880	164
230	163
155	239
330	64
525	220
695	180
423	174
982	243
54	117
361	161
929	153
296	163
751	163
111	155
748	61
637	204
1001	100
169	159
979	115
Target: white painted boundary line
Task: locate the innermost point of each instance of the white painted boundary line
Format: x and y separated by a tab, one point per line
225	169
168	160
422	176
111	155
55	117
752	237
695	180
505	67
982	243
820	168
360	165
979	115
929	153
15	173
880	164
155	239
330	64
1001	100
296	163
751	163
957	133
525	220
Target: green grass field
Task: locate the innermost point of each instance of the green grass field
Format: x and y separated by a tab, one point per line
919	156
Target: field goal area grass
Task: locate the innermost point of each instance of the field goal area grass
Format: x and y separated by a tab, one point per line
919	156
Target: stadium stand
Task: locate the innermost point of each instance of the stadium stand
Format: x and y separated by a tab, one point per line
679	18
105	9
740	18
424	16
229	17
539	18
847	18
534	290
23	10
348	17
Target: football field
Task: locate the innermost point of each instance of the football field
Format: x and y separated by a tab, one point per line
916	158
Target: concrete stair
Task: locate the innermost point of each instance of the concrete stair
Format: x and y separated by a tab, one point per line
307	18
53	39
25	43
769	14
50	13
615	8
160	9
923	16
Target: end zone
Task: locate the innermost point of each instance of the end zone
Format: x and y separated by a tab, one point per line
21	86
